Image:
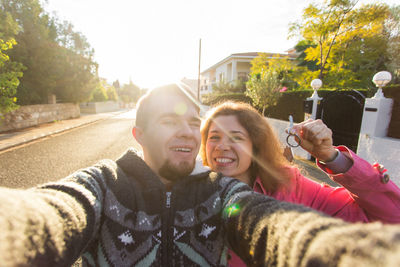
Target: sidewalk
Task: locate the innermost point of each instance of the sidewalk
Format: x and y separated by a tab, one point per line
23	136
310	170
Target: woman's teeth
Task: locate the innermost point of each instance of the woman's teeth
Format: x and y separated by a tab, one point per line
223	160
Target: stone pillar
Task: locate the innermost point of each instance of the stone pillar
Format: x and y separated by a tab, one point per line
376	117
315	101
234	70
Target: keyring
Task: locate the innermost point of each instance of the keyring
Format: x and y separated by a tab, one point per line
293	140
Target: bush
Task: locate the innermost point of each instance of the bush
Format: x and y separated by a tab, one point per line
111	93
99	94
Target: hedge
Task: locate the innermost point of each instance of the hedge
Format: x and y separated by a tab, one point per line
393	91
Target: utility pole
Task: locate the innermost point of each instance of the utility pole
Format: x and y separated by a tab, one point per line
198	76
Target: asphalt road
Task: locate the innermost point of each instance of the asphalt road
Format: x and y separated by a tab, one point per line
57	156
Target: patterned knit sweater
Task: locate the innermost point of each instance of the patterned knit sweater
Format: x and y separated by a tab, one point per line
119	214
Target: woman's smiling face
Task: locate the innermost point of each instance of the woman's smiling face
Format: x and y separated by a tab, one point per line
229	148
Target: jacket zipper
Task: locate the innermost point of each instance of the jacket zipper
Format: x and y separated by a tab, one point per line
168	200
166	239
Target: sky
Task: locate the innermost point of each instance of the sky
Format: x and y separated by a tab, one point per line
154	42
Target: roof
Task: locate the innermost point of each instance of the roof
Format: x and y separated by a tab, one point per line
249	54
242	55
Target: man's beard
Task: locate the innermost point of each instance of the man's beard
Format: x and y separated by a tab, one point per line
173	172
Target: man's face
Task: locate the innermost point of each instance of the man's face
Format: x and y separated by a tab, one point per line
171	139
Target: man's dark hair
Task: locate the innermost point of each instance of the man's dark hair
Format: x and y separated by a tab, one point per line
144	107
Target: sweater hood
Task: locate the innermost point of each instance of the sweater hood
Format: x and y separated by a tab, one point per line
133	165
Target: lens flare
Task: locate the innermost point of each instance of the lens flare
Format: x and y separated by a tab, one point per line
232	210
180	108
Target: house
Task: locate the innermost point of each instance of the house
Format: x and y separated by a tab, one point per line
232	68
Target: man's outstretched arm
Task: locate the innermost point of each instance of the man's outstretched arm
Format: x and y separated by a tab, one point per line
266	232
49	225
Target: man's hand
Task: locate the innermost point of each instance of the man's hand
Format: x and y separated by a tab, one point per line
316	139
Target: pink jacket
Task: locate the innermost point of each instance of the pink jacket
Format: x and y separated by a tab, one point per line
363	197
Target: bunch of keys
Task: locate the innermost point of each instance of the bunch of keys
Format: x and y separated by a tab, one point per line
293	140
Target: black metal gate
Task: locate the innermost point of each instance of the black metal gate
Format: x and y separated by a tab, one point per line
342	112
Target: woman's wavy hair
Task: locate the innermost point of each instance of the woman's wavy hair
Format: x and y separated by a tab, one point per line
268	161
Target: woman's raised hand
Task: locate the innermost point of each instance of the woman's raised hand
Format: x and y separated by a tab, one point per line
316	139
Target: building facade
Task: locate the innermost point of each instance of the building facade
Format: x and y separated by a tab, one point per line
235	67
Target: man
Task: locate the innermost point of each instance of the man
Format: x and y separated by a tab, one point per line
151	212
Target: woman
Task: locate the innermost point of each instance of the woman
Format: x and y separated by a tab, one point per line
238	142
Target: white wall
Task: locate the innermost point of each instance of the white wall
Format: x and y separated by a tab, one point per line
243	66
205	82
221	69
230	72
99	107
231	69
384	150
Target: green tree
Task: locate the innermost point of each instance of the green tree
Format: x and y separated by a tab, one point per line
10	71
76	71
301	47
110	90
57	59
9	74
33	49
99	94
75	77
129	93
111	93
263	88
342	39
285	68
392	30
116	85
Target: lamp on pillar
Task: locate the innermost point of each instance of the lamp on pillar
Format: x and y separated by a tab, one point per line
381	79
315	84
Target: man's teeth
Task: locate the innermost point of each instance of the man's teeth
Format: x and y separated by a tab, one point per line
182	149
223	160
